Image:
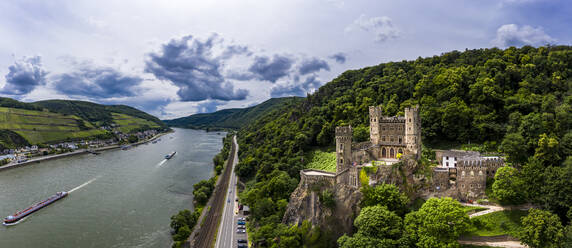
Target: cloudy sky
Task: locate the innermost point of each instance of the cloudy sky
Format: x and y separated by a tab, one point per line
179	57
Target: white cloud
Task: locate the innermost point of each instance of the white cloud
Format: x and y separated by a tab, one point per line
513	35
381	26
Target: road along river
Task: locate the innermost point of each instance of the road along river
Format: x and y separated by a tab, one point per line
119	198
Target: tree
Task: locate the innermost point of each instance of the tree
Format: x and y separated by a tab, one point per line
379	222
508	185
438	223
377	227
541	229
385	195
556	191
547	151
514	146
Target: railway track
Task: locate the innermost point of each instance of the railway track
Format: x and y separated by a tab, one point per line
206	234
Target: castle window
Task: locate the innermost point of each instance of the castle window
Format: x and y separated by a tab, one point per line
472	173
463	174
400	140
409	128
447	163
400	151
409	119
463	186
455	158
382	138
341	148
480	173
447	157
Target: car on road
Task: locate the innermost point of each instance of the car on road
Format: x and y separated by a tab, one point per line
242	246
241	219
240	231
242	241
241	223
241	227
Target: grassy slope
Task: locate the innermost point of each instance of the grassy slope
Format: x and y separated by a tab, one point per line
321	160
58	120
497	223
43	127
128	123
230	118
95	113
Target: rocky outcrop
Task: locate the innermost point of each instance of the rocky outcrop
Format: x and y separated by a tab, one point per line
305	204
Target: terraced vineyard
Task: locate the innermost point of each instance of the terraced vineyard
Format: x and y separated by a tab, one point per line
128	123
44	127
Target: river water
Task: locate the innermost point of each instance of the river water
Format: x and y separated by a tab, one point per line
117	199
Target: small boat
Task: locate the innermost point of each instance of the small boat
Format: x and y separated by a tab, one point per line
13	219
125	147
170	155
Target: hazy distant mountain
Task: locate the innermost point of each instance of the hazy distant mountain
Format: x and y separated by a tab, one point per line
231	118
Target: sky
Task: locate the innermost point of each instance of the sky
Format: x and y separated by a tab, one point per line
180	57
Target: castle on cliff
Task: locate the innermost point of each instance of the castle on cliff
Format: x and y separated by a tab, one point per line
397	139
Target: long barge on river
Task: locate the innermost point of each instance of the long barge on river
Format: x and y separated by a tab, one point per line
13	219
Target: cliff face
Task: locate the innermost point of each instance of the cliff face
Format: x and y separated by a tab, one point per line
305	204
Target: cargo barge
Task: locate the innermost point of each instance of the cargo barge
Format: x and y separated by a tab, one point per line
170	155
13	219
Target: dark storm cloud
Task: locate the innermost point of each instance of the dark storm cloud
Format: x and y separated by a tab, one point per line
339	57
190	65
271	69
97	83
296	89
313	65
24	76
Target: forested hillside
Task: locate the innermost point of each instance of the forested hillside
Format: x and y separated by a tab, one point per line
496	100
230	118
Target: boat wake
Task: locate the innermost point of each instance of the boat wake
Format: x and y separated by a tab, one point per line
83	185
15	223
161	163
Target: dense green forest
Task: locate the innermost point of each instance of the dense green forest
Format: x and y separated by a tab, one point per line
517	101
230	118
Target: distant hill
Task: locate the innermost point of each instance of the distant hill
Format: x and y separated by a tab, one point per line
60	120
231	118
93	112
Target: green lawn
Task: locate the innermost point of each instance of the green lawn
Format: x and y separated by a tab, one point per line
322	160
473	209
497	223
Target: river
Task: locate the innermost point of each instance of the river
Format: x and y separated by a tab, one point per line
120	198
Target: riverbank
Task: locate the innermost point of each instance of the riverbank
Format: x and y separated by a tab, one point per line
39	159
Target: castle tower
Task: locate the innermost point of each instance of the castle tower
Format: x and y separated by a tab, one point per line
343	148
413	131
374	115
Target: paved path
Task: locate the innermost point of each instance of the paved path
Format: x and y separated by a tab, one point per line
507	244
227	235
490	209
